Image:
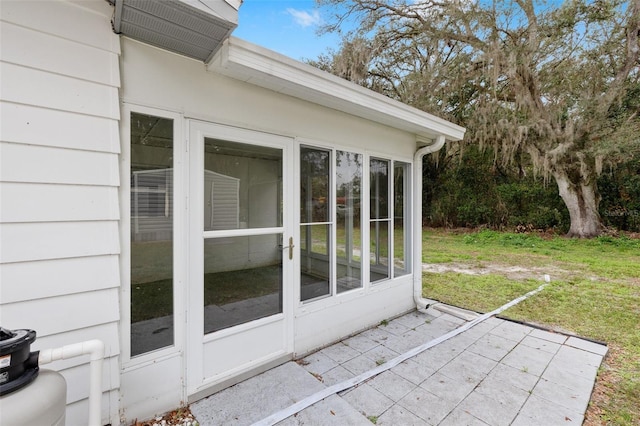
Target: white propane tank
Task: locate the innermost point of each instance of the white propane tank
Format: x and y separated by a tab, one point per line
41	403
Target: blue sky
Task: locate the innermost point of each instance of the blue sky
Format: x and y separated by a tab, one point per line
286	26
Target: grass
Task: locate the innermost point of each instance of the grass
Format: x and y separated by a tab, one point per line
595	293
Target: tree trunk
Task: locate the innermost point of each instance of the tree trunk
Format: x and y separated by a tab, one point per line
582	201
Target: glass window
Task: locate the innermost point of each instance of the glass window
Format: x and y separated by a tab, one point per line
242	186
401	219
315	266
379	219
315	226
151	233
242	280
348	232
325	272
243	274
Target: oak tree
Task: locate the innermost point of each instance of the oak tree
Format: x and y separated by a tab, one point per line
554	80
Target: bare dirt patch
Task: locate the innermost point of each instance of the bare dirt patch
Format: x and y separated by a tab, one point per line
603	388
509	271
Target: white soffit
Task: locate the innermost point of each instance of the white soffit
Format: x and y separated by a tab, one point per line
193	28
248	62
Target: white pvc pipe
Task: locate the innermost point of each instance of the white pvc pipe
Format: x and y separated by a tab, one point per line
95	348
421	303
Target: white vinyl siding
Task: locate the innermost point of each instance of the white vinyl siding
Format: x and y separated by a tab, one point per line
57	91
22	202
59	179
51	278
22	242
70	131
97	65
32	163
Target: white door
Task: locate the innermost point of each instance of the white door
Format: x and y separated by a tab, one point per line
239	310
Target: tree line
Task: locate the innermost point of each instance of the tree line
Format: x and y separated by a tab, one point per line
466	188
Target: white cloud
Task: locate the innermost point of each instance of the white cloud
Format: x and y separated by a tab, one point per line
305	18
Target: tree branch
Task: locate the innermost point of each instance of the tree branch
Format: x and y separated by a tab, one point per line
630	61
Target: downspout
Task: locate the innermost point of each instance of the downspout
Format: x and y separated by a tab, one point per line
95	348
421	302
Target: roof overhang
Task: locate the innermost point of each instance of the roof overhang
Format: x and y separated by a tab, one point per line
193	28
262	67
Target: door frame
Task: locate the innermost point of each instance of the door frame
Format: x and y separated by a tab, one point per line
197	382
158	369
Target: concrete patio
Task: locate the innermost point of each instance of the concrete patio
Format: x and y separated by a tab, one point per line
496	373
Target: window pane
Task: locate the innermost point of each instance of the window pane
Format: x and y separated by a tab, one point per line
401	220
242	280
242	186
315	265
348	235
379	224
379	183
314	261
314	185
379	250
151	233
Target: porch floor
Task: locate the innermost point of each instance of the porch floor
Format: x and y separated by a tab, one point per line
495	373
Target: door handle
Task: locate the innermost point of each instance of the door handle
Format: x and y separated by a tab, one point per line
290	247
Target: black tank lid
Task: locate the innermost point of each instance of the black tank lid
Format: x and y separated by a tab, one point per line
18	365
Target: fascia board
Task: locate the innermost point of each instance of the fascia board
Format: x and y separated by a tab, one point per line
222	9
248	62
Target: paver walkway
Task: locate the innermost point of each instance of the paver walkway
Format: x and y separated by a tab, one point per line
496	373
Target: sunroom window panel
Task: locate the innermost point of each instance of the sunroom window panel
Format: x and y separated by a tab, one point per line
379	188
151	233
379	267
380	220
316	227
242	278
314	185
234	292
401	219
242	186
348	223
315	271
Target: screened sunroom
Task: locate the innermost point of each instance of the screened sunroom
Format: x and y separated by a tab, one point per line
224	208
286	206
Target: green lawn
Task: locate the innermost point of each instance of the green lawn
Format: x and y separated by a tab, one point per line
594	292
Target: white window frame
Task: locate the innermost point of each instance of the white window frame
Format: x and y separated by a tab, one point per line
364	210
179	237
408	214
389	220
407	219
367	285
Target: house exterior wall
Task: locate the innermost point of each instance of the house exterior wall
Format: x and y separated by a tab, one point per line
157	79
59	146
61	190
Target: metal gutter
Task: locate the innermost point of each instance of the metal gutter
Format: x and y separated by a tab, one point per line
421	303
